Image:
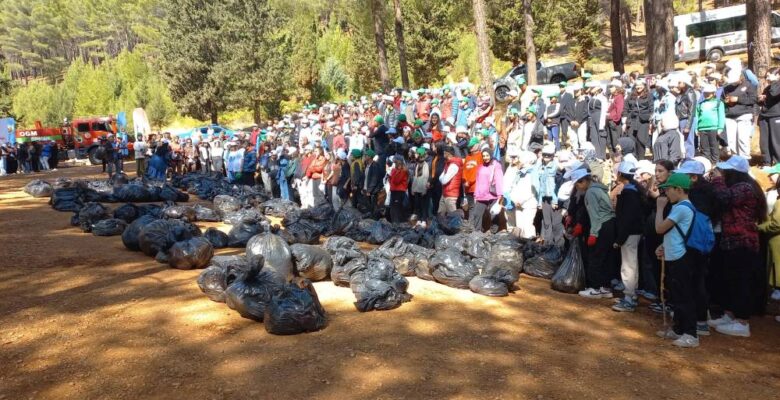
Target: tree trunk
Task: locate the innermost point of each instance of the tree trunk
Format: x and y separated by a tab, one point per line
616	34
483	44
399	37
530	49
214	114
256	111
379	36
759	37
668	35
659	36
701	5
626	22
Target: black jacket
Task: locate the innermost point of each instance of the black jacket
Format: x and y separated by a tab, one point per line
772	102
638	109
685	106
567	106
702	196
376	174
581	110
747	97
628	212
380	140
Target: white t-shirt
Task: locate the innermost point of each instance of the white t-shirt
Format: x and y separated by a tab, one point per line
139	147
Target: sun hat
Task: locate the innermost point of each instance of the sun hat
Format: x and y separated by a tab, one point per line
737	163
579	174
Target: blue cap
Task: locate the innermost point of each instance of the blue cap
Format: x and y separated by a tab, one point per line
692	167
737	163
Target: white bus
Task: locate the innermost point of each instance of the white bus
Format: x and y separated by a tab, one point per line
709	35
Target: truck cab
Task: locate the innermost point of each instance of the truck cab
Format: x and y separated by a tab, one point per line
86	134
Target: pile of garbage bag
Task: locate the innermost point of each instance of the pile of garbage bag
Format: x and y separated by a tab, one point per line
570	277
191	253
274	253
311	262
90	214
378	286
39	188
294	309
109	227
217	238
542	261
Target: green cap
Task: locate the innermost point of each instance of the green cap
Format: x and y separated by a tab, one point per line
563	84
417	134
532	109
379	120
554	95
473	141
514	111
421	151
586	75
537	91
682	181
520	80
356	153
435	101
402	118
370	153
418	122
313	106
485	132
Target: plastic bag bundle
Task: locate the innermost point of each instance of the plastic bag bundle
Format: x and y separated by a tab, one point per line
294	310
203	213
90	214
190	254
240	234
311	262
225	204
570	277
545	264
378	286
451	268
275	252
39	188
128	213
217	238
132	232
185	213
109	227
251	292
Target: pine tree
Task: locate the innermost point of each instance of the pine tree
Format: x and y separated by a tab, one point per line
507	27
431	48
582	26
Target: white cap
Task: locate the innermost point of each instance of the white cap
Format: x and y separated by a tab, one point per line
645	167
616	83
708	88
627	168
512	151
426	146
716	75
461	129
527	158
548	149
616	74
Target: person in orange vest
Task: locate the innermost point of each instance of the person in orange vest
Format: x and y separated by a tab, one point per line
470	167
450	181
399	184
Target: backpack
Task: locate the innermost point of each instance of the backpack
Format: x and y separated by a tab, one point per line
700	236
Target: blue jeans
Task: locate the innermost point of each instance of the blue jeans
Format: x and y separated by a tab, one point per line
690	145
284	188
554	136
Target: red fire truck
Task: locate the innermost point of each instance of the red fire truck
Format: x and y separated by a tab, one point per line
82	136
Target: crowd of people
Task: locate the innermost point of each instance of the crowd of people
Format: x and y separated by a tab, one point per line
639	171
28	157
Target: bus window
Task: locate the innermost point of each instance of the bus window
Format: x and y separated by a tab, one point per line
740	23
775	20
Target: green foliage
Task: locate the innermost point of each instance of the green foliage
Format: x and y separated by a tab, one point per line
34	102
6	90
507	27
582	27
429	40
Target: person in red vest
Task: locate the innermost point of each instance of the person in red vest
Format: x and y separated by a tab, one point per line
450	181
399	184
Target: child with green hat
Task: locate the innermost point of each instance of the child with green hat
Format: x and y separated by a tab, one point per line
674	253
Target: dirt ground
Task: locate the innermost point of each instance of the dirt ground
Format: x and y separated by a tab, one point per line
83	318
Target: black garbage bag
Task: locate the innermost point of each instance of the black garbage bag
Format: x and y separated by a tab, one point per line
184	230
222	272
276	253
156	236
109	227
170	193
343	256
90	214
545	264
185	213
453	223
39	188
343	220
391	248
190	254
226	204
67	199
488	286
74	219
477	245
451	268
570	277
280	208
62	183
334	243
240	234
321	212
423	268
311	262
119	179
378	286
245	214
203	213
134	193
217	238
153	210
341	273
132	232
102	187
127	212
294	310
357	234
251	291
458	241
506	254
302	231
379	232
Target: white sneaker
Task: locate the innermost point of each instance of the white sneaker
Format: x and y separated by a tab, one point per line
725	319
592	293
686	340
734	329
775	295
777	318
423	224
667	334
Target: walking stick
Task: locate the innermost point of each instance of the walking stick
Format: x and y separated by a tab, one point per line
663	289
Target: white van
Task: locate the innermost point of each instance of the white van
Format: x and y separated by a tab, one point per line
709	35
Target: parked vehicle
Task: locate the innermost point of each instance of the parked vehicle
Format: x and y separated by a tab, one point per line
547	74
709	35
